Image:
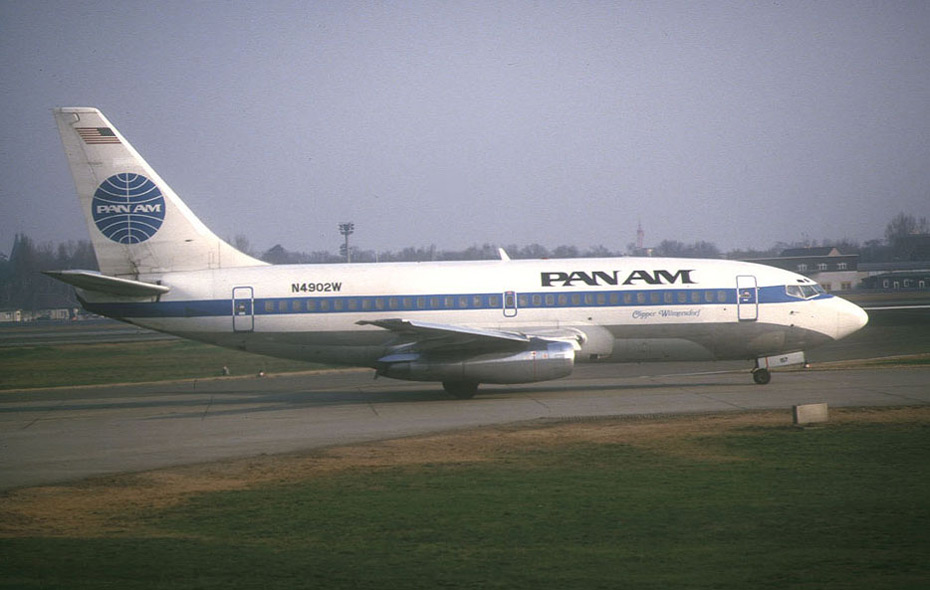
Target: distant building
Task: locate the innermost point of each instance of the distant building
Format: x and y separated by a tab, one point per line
834	270
57	315
10	315
62	314
896	276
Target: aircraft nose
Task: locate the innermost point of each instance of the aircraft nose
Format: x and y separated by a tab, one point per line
849	318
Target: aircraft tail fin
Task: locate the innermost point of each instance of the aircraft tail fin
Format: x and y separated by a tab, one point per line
137	224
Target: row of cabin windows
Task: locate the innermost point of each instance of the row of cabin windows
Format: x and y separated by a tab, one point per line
491	301
638	298
382	303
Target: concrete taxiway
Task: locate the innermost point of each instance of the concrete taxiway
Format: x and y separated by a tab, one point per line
58	435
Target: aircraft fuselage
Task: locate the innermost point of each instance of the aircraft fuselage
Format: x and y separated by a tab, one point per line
624	309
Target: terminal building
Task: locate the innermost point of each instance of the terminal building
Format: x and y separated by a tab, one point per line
900	282
834	270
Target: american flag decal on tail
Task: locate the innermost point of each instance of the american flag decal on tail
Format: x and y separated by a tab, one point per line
97	135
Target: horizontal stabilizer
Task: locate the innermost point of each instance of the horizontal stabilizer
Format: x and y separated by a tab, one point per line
94	281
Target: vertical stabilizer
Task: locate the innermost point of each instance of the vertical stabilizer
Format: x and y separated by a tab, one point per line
137	224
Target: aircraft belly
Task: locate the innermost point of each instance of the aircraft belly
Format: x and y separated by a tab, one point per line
334	348
705	341
658	349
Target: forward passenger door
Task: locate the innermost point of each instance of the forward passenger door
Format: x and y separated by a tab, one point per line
747	298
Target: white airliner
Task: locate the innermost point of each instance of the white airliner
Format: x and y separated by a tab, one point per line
459	323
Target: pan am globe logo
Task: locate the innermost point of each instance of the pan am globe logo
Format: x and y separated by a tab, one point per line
128	208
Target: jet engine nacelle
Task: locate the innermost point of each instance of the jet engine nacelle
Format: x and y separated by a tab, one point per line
546	360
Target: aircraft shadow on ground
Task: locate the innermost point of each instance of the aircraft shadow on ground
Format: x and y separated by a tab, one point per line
334	398
181	403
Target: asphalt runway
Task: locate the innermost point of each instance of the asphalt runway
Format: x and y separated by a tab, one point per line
67	434
64	434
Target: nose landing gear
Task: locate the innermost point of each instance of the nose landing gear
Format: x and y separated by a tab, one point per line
761	376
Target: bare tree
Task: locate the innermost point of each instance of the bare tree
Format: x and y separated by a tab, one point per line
904	225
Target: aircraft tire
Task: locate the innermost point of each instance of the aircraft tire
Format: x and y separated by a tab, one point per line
460	389
761	376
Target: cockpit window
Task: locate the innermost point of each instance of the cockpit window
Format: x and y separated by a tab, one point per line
804	291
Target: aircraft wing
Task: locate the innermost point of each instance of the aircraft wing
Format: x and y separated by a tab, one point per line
435	337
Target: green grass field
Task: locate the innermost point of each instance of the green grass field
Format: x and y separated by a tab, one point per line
757	506
132	362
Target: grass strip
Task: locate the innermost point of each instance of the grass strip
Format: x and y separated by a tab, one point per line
843	506
132	362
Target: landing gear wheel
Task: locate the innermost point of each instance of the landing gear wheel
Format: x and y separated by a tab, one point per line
460	389
761	376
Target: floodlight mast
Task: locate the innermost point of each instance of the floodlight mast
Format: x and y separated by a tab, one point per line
347	228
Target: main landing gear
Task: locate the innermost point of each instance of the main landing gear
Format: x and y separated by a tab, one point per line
461	389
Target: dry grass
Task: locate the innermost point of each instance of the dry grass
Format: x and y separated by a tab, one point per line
112	506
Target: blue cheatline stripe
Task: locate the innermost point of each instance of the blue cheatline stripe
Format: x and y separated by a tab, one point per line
163	309
390	304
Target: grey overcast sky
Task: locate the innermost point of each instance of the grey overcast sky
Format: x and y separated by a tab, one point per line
460	123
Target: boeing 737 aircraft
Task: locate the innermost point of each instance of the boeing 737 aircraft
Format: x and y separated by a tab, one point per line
459	323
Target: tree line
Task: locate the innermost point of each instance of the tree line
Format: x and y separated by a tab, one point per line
23	286
893	247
